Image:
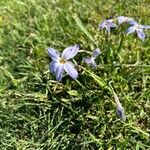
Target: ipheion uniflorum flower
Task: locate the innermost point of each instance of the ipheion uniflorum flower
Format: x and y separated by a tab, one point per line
108	24
138	29
91	60
61	63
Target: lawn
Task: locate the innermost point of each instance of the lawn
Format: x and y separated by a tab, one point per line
39	113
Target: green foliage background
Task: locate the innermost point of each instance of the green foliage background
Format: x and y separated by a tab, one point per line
36	112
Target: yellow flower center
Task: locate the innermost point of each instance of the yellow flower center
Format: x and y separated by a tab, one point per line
62	61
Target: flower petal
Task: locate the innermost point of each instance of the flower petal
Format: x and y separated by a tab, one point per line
96	52
70	52
59	71
109	20
102	25
132	22
112	25
145	27
141	34
53	53
70	69
108	28
53	66
130	30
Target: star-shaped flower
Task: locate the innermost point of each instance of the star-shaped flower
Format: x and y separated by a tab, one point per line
138	29
91	60
61	63
108	24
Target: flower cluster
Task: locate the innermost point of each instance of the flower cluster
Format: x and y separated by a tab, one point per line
61	62
134	27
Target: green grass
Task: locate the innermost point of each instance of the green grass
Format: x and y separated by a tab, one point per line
36	112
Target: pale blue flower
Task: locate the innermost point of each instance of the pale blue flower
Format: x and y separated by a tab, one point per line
138	29
123	19
91	60
60	62
108	24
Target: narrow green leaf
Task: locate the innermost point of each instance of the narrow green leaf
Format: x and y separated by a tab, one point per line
79	23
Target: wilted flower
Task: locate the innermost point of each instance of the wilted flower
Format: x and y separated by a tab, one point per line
120	113
123	19
120	110
61	63
137	28
108	24
91	60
